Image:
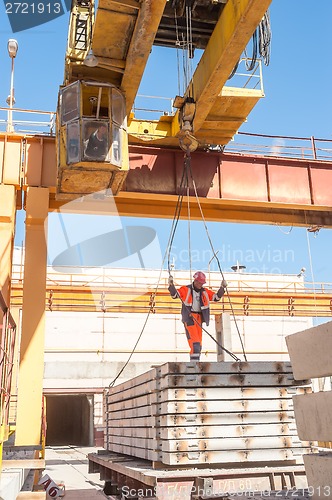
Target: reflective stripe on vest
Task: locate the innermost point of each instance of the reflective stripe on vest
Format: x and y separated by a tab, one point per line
205	300
189	298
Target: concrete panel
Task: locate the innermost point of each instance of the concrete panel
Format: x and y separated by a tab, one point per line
313	414
208	399
310	352
11	482
318	469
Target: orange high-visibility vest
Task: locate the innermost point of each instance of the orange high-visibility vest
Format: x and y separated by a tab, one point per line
186	295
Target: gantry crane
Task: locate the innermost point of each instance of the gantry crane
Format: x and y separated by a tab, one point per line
105	61
120	36
99	91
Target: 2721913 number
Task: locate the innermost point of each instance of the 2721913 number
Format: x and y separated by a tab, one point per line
33	8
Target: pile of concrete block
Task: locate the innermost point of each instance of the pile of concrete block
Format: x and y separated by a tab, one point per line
206	413
311	356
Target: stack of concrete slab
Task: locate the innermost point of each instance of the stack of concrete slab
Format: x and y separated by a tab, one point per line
206	413
310	354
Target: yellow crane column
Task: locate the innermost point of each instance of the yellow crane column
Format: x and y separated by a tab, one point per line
31	370
7	231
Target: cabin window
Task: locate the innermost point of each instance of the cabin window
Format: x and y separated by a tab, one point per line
70	108
73	142
96	101
96	140
118	107
116	145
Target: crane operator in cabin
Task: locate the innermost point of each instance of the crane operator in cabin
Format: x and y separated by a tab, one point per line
97	144
195	308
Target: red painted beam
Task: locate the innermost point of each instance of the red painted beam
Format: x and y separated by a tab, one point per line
232	187
232	176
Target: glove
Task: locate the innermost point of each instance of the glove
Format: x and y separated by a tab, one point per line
224	284
171	287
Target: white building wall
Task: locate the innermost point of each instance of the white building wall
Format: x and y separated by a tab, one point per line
88	350
85	352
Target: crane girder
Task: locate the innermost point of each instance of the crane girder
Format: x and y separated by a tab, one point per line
140	46
122	36
231	187
231	34
122	39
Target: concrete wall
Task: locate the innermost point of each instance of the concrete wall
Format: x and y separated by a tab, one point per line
84	352
88	349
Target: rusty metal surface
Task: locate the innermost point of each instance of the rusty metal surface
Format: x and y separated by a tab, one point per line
273	495
184	482
232	176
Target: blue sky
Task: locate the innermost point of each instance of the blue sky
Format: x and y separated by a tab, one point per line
298	102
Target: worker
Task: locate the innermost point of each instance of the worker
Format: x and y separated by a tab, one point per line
97	144
195	308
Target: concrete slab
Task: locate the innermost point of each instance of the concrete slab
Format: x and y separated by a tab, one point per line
313	415
11	483
205	397
16	467
24	464
319	474
88	494
31	495
310	352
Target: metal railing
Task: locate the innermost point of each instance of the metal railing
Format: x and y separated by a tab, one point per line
245	143
29	121
304	148
145	279
149	107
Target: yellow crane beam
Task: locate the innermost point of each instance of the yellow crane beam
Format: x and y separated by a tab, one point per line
139	300
129	40
122	35
231	34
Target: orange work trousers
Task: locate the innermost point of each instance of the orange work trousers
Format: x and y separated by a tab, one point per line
194	336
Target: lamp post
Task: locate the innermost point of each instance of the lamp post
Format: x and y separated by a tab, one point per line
12	48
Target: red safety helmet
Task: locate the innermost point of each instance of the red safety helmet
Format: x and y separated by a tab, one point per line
200	277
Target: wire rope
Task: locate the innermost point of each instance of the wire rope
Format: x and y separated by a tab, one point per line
187	170
177	44
311	269
166	254
284	232
218	262
189	231
250	65
265	37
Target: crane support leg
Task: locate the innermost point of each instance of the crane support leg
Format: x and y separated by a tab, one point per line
7	231
30	382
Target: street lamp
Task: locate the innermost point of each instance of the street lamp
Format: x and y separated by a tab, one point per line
12	48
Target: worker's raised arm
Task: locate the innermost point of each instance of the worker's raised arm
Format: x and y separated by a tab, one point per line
171	287
217	296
